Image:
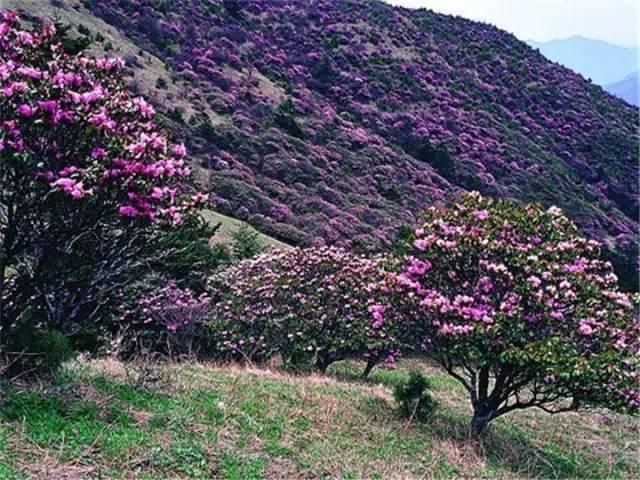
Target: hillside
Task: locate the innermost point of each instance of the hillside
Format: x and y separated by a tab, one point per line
229	226
320	121
600	61
104	419
627	89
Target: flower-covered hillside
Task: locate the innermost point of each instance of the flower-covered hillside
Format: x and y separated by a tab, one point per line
334	120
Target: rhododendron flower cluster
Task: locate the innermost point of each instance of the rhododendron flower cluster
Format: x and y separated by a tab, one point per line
309	305
74	119
173	307
510	296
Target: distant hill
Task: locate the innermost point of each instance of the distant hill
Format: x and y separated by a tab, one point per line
627	89
323	121
599	61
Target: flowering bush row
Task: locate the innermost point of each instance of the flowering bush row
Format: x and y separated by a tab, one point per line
385	109
507	297
308	305
520	308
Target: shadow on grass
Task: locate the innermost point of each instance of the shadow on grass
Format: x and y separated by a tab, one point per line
505	446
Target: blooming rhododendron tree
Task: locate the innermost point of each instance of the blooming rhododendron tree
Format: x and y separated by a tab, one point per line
84	173
316	304
519	308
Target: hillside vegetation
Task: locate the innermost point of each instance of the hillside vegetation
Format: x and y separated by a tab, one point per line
108	419
134	346
321	121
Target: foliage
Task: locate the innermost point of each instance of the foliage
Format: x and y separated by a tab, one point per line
513	303
87	182
413	397
37	352
246	243
308	305
187	253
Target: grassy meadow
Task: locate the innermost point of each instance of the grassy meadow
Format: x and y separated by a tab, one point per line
106	419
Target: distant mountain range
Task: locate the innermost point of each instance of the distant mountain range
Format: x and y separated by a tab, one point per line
628	88
611	66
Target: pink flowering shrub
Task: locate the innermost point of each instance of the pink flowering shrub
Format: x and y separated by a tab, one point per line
315	305
519	308
85	173
74	118
169	319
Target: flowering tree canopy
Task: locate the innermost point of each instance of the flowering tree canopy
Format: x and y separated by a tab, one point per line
84	172
520	309
310	304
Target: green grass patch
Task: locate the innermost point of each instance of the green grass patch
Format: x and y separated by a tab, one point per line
194	421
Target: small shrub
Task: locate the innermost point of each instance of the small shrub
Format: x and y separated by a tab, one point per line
38	352
167	318
84	30
246	243
413	398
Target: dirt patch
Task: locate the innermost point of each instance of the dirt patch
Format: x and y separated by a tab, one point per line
49	469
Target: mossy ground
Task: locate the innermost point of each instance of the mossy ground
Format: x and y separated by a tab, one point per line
104	419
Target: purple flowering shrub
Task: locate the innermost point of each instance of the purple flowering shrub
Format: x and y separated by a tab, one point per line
87	181
520	309
315	305
165	317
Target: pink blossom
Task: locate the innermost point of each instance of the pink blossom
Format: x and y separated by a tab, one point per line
481	215
377	312
98	153
179	150
421	244
534	281
71	187
31	72
129	211
27	110
143	107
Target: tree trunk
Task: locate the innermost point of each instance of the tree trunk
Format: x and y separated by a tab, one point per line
367	370
322	363
480	421
5	251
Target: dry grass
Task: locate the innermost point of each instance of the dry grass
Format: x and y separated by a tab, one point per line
237	422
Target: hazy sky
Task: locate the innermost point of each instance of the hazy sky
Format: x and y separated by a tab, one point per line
615	21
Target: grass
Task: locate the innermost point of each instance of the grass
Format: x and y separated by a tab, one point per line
231	225
104	419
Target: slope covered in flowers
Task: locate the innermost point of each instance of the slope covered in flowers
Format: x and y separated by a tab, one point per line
334	121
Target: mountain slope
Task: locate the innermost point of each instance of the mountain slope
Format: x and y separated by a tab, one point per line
600	61
323	121
628	89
